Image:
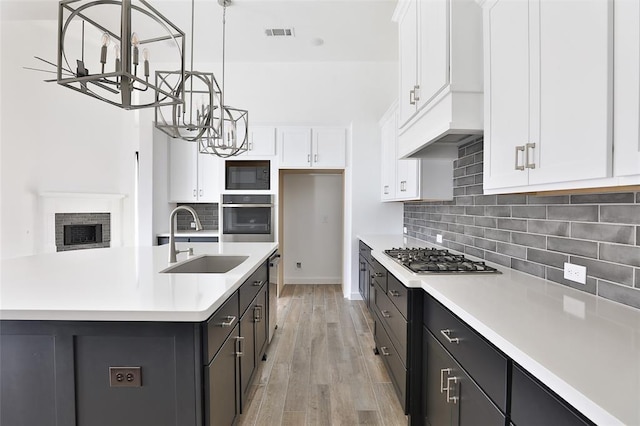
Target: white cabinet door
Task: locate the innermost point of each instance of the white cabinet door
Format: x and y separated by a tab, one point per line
329	147
388	135
506	41
183	171
626	120
262	141
408	55
433	49
209	185
295	147
408	179
571	109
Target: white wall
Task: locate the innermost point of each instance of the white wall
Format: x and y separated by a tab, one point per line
312	226
54	139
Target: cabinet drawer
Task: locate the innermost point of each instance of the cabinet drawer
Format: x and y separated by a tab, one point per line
365	251
392	361
252	286
379	274
483	362
394	323
398	294
532	404
219	326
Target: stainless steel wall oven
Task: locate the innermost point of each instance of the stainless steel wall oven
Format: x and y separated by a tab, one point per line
247	217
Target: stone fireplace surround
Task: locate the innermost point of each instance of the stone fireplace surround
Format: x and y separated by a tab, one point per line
83	204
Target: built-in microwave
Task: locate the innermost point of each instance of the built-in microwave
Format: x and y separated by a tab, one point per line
247	174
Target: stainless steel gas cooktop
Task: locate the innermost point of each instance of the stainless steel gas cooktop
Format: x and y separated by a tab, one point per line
437	261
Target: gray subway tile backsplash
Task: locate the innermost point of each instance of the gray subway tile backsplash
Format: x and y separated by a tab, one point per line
207	213
536	234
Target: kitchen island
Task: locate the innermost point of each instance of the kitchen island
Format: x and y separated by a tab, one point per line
583	348
103	337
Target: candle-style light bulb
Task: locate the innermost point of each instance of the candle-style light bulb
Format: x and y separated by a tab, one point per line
106	39
135	41
116	53
145	56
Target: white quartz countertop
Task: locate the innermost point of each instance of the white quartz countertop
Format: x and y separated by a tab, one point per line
121	284
193	233
584	348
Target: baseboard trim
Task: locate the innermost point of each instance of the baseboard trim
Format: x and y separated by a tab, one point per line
313	281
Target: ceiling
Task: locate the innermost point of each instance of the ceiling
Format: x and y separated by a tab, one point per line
325	30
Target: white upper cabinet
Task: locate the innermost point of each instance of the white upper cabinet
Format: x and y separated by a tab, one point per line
440	72
415	178
317	147
193	177
548	97
626	121
262	142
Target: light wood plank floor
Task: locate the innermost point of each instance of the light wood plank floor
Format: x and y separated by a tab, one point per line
320	367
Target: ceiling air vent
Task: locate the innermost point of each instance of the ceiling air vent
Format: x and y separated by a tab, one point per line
279	32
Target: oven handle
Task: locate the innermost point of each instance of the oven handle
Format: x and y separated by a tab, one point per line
247	205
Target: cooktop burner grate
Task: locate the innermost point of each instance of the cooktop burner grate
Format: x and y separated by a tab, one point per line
434	261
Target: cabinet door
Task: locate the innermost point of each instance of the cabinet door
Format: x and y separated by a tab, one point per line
262	141
626	120
408	179
452	397
220	384
433	49
506	35
571	110
261	321
388	133
295	147
183	171
408	55
247	358
329	147
209	185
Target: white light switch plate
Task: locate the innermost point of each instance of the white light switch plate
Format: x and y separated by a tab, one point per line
576	273
439	238
404	229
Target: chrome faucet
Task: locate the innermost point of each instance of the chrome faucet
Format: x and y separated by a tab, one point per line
172	239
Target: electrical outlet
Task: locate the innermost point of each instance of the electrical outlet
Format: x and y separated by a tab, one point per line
125	377
299	265
404	229
193	225
439	238
576	273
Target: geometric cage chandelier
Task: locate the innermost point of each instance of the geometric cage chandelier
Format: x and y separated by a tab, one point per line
107	49
203	118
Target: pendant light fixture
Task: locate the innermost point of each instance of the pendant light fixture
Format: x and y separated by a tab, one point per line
233	131
203	118
110	44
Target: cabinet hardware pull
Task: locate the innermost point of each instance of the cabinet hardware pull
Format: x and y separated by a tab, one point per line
443	371
309	158
239	340
258	283
195	193
416	92
379	275
384	351
394	293
258	313
362	268
315	158
518	149
250	146
412	97
385	314
201	192
529	165
386	189
450	398
228	322
446	334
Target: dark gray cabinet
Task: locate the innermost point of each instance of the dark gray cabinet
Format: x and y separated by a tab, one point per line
364	278
221	382
451	397
59	372
533	404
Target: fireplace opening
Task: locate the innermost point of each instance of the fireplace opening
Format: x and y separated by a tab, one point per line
82	234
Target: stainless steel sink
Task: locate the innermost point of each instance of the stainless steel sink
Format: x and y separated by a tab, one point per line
207	264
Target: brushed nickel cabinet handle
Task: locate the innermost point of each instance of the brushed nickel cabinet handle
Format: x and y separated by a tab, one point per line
309	158
528	147
315	158
195	194
394	293
239	351
228	321
386	189
416	92
450	398
519	148
257	283
412	97
385	314
447	335
384	351
443	371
